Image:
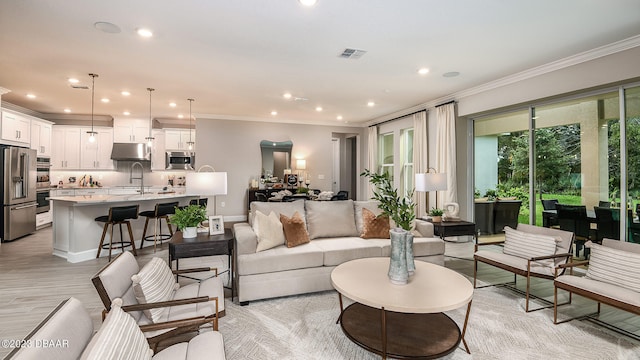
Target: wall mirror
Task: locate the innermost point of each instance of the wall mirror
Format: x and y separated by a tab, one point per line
276	156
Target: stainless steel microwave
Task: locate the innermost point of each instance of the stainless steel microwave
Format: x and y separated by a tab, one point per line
180	160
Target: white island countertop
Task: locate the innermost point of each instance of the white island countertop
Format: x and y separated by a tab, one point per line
76	233
108	199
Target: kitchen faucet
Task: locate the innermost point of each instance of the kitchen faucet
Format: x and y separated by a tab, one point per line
141	178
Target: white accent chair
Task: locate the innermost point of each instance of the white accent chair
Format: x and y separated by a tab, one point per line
67	334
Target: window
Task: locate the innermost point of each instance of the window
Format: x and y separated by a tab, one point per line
406	155
386	154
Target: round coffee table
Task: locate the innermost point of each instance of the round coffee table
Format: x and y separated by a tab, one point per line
402	321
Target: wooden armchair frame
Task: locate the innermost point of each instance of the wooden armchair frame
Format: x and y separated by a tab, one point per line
528	274
599	299
177	327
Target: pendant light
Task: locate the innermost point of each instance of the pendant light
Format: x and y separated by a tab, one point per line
150	138
190	143
92	134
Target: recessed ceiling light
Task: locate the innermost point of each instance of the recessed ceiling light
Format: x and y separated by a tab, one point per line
67	110
371	104
180	116
31	96
318	108
339	117
308	2
125	93
74	80
451	74
126	113
172	104
274	113
104	100
107	27
287	96
145	32
423	71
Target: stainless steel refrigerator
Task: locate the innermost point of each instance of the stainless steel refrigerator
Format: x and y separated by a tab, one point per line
18	192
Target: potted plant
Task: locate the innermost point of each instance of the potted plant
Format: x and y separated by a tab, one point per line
436	214
188	218
402	211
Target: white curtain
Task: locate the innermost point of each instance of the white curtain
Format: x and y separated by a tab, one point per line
372	156
420	159
446	151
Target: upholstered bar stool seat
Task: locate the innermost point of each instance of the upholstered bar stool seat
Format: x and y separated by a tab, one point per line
117	216
160	212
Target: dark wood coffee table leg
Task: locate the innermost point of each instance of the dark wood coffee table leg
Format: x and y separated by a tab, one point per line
464	328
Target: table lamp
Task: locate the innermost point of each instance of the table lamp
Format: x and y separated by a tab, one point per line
202	183
431	181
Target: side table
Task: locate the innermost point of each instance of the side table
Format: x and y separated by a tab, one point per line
204	245
453	228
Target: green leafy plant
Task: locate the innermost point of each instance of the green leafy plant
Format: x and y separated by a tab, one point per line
436	212
400	209
189	216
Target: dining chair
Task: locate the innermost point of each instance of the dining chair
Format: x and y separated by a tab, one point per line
608	221
574	218
550	204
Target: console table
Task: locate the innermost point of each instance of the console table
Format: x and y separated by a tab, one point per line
203	245
454	228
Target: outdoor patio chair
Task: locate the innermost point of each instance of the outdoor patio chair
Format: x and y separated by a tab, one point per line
573	218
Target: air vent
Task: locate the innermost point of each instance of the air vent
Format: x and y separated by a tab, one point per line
351	54
82	87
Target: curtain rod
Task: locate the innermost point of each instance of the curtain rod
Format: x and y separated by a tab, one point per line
447	103
399	117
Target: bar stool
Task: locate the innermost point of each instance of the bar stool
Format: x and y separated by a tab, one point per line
117	216
201	202
161	211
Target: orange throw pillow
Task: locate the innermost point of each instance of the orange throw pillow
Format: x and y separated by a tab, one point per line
374	227
295	231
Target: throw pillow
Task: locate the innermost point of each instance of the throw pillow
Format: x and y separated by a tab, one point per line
269	231
294	230
528	245
154	283
119	337
374	227
328	219
613	266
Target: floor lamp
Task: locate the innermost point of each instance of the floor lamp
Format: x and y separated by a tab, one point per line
431	181
202	183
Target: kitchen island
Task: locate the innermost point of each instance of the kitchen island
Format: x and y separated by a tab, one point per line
76	234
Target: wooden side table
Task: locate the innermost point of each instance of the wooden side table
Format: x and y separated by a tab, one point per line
453	228
204	245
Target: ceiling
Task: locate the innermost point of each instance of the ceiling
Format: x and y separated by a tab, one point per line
238	58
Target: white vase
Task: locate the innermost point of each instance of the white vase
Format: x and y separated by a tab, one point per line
190	232
398	273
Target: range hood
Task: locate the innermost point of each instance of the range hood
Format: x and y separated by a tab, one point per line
130	152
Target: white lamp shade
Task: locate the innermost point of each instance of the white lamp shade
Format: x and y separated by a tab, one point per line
431	181
206	183
301	164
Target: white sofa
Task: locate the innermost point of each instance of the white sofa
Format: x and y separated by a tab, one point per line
334	228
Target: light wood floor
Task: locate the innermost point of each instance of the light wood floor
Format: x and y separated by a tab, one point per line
33	282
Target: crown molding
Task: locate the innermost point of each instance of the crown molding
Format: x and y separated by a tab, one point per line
4	91
277	121
576	59
609	49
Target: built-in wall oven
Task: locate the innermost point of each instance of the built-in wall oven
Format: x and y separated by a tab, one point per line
43	184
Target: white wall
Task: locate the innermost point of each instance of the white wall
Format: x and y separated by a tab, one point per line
234	146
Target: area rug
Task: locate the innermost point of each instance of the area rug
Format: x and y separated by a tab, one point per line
304	327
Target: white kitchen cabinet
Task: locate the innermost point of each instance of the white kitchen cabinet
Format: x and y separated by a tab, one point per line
130	130
158	150
41	137
97	154
90	191
65	152
178	139
43	219
15	127
62	192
